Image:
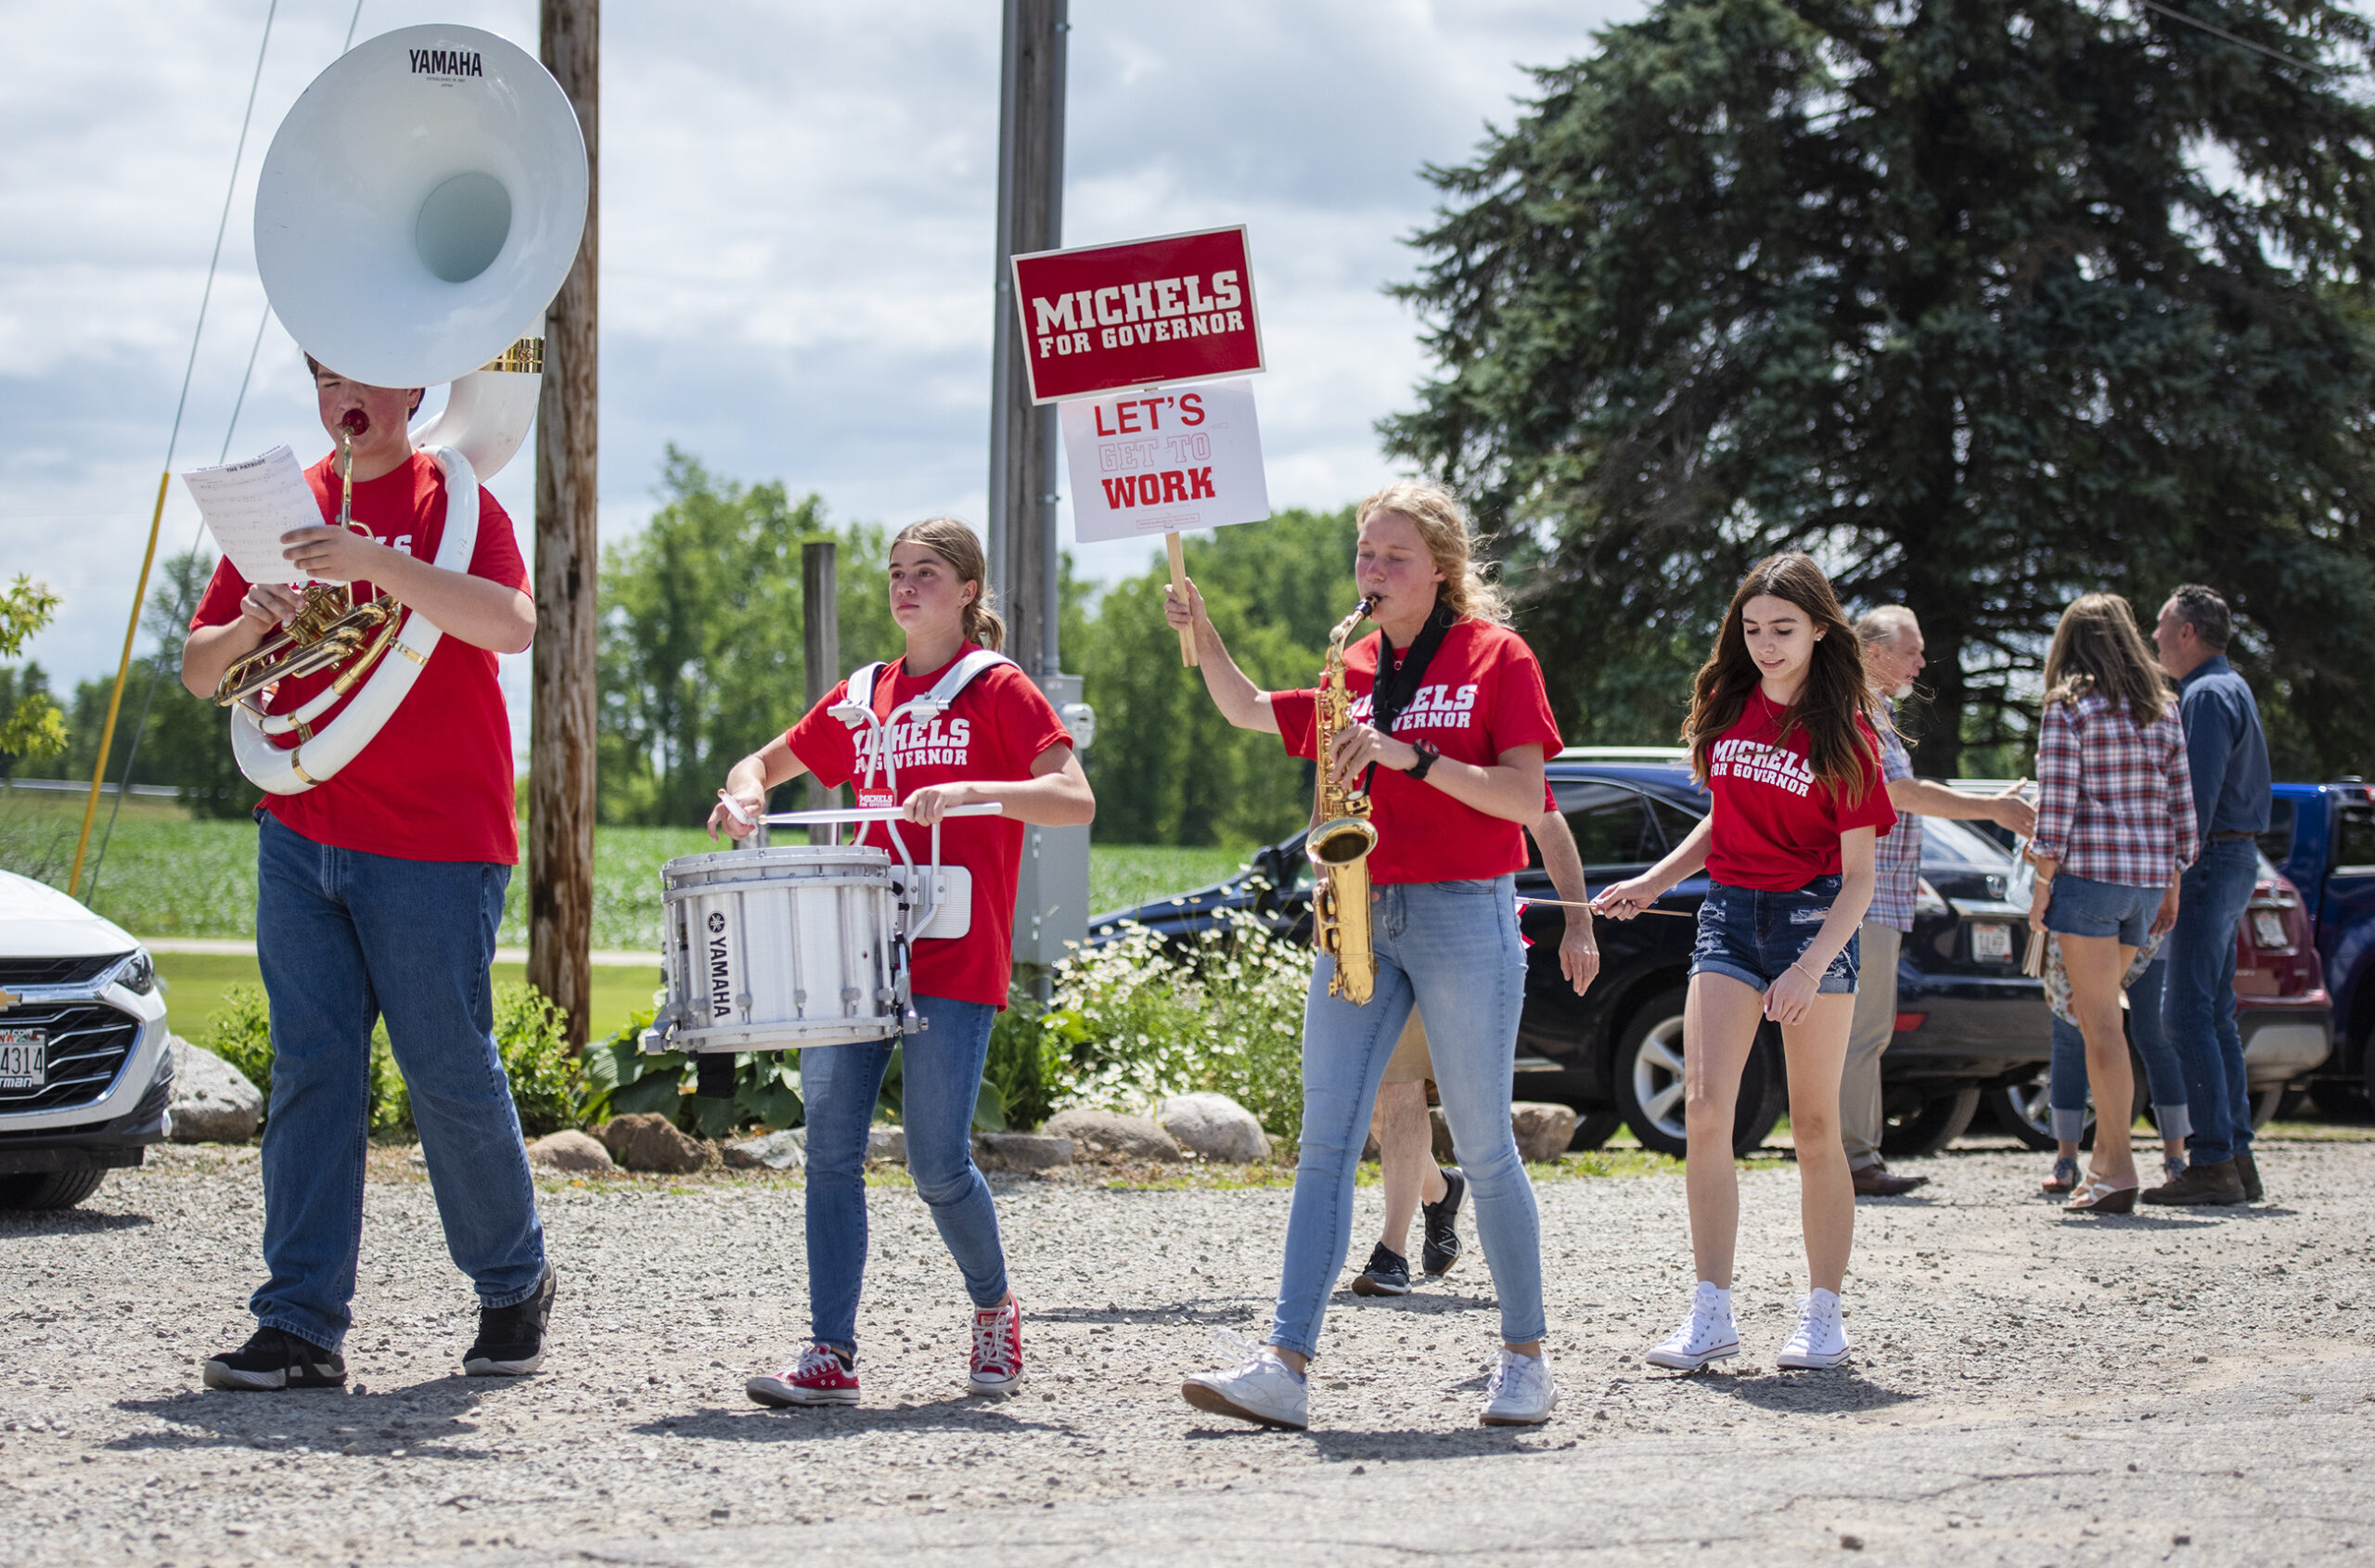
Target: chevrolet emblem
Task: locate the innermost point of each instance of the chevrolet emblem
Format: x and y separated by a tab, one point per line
8	999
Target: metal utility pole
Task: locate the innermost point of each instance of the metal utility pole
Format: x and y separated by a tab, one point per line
560	747
1051	897
820	609
1024	557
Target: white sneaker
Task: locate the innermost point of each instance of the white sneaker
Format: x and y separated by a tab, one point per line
1262	1388
1707	1333
1522	1393
1821	1339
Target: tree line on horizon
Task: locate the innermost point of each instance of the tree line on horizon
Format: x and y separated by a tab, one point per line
1984	304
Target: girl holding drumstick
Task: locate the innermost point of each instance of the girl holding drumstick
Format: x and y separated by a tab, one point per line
1779	732
1449	727
998	740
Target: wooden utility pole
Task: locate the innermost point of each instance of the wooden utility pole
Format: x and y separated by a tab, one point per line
1023	556
820	609
560	747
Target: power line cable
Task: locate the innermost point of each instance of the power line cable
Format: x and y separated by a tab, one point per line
2174	15
173	443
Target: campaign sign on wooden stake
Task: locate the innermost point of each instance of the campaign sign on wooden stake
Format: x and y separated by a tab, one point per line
1163	459
1179	308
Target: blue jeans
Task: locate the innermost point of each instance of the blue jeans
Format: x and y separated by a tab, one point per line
344	938
1753	935
2067	1088
1452	950
940	1077
2200	1003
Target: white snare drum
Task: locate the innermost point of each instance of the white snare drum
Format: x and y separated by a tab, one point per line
774	949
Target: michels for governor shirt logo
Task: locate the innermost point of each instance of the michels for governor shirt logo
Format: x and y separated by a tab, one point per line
1435	707
1755	762
940	742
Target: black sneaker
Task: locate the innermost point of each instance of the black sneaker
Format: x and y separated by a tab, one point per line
272	1359
511	1339
1387	1275
1442	1235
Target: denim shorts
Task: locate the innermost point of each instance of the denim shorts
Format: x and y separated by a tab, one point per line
2083	906
1753	935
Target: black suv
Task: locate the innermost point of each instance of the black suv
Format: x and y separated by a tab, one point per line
1967	1018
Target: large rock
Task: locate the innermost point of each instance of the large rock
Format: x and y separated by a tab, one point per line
1543	1130
786	1151
1021	1153
1214	1127
213	1100
570	1153
887	1143
1133	1138
648	1141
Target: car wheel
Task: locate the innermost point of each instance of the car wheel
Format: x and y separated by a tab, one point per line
2340	1101
49	1189
1929	1126
2264	1106
1649	1083
1593	1128
2026	1112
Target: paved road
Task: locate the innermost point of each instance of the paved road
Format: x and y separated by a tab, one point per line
2016	1366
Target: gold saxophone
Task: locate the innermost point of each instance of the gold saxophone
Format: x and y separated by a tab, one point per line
1341	836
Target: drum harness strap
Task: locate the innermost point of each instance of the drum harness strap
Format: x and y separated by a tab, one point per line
856	710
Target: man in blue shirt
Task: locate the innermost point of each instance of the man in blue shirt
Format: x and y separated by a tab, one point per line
2228	755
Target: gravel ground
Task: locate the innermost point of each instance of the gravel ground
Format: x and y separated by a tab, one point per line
2031	1389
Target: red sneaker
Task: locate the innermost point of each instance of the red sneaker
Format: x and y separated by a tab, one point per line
997	1348
824	1376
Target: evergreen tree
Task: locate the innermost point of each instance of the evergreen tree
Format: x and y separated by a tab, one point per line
1985	302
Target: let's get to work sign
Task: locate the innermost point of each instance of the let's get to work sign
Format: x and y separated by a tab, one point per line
1165	311
1163	458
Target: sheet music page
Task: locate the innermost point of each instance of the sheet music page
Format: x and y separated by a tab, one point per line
248	505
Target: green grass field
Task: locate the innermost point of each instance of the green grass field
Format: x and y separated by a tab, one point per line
165	875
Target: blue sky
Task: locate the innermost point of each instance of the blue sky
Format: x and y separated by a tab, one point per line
797	204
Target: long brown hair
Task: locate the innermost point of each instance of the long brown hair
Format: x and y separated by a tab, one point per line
1835	695
961	549
2099	649
1451	542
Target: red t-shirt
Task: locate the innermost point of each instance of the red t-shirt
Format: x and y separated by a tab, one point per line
996	728
1482	695
1777	829
435	783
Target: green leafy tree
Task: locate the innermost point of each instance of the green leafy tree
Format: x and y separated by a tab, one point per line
30	722
1987	303
1167	767
183	740
702	637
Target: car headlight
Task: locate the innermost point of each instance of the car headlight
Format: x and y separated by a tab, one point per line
137	974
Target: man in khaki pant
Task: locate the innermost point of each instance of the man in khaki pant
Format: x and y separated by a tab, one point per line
1892	639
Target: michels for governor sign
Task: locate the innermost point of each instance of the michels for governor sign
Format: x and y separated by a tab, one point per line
1151	312
1163	460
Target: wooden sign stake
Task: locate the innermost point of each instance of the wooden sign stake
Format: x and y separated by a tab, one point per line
1178	553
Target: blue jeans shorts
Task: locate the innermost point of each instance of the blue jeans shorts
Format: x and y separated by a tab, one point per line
2081	906
1753	935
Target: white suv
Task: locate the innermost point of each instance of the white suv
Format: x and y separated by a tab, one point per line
86	1080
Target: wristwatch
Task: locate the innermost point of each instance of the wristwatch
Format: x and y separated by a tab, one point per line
1427	755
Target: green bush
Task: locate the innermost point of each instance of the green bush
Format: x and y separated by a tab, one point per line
1137	1022
622	1081
547	1081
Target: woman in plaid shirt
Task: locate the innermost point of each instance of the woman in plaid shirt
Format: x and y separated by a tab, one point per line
2115	825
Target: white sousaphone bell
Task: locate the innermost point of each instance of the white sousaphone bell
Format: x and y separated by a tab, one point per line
418	211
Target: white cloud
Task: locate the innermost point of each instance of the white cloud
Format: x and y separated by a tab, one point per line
796	207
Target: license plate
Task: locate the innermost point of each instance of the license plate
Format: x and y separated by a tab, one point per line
1991	943
24	1059
2268	929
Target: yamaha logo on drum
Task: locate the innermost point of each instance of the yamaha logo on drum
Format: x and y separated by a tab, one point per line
721	969
716	923
446	62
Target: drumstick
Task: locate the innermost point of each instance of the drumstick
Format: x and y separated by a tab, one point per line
1565	904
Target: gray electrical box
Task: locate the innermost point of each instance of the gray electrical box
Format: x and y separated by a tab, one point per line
1051	897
